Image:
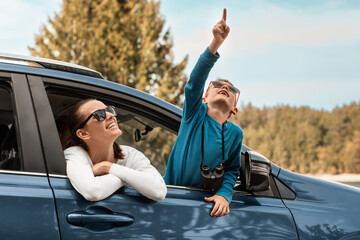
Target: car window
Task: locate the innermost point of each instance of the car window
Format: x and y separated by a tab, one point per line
10	157
138	131
152	140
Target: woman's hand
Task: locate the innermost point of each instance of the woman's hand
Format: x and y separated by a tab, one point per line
101	168
220	33
221	207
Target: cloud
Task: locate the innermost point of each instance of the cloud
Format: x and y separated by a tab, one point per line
284	27
20	20
302	36
266	26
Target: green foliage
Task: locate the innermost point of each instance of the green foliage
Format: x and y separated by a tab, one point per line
305	140
122	39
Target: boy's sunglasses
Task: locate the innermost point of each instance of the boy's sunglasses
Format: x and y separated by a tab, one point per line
217	84
234	90
99	114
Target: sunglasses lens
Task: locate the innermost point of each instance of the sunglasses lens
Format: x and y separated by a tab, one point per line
111	110
100	115
217	84
233	89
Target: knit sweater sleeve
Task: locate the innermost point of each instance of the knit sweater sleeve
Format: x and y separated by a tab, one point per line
80	174
195	86
140	174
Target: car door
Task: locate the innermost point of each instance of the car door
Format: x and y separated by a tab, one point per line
127	214
27	206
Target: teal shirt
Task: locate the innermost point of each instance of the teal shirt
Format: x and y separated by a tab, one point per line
184	162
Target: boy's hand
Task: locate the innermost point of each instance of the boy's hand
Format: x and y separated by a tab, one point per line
220	32
221	207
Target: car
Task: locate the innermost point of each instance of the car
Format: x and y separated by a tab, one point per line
37	200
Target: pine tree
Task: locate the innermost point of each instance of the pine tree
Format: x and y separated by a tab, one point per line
122	39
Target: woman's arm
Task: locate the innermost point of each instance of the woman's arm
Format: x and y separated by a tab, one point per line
141	175
80	174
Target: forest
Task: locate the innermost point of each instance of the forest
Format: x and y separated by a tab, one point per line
302	139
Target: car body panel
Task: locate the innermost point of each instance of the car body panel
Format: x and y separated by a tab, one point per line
27	207
275	169
323	209
182	214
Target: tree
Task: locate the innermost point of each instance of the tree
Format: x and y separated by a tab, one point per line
305	140
122	39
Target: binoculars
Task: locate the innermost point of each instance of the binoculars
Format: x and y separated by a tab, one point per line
212	180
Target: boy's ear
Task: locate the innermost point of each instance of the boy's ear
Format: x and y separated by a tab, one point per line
233	111
82	134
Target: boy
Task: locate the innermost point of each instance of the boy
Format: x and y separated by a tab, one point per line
205	136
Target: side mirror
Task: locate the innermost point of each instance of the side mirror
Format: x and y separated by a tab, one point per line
254	172
245	172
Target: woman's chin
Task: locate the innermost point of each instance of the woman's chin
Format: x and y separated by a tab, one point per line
116	133
111	134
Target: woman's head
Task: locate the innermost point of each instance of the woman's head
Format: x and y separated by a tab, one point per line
91	123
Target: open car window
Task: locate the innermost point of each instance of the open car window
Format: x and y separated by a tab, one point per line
139	132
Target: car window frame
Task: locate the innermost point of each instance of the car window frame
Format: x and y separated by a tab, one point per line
86	90
28	139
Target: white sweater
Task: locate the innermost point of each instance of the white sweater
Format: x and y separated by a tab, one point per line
135	170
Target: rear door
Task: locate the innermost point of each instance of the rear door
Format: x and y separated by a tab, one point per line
27	206
183	214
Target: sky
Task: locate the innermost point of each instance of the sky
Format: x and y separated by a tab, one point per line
279	52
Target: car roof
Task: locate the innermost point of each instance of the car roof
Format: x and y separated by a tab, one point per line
51	64
75	73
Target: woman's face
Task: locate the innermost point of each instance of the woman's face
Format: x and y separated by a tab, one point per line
99	130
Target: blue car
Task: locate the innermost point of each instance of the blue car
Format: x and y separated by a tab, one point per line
37	200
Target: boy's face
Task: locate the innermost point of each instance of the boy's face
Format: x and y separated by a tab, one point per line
222	94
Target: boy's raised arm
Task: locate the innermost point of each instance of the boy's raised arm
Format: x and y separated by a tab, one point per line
220	33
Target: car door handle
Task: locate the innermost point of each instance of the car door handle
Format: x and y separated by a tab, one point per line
83	219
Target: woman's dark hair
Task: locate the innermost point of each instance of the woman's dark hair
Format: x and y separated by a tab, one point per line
69	137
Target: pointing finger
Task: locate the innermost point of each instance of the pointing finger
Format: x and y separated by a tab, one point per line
224	15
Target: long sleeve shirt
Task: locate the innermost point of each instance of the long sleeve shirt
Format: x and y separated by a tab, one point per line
184	162
135	170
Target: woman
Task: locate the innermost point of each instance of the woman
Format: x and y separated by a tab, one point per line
96	165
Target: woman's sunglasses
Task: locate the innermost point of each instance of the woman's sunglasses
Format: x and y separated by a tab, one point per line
99	114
